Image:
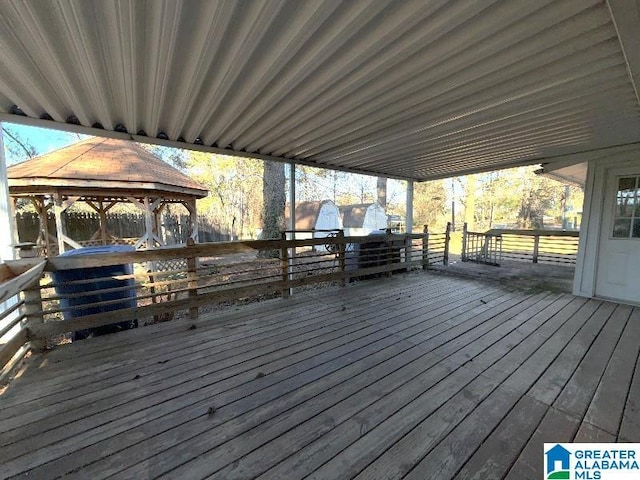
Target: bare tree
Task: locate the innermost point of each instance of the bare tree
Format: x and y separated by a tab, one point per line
381	189
274	199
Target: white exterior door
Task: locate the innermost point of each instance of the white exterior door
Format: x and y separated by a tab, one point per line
618	271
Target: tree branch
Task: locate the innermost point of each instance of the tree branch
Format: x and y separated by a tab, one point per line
29	150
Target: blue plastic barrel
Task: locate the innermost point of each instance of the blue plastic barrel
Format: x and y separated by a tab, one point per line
104	279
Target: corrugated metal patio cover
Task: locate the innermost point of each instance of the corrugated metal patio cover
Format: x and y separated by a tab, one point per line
412	88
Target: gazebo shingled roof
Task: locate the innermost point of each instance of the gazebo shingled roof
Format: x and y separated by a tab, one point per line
103	164
103	172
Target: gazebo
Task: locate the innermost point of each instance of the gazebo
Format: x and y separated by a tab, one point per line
103	172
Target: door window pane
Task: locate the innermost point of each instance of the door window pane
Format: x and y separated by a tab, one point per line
627	184
626	223
621	227
625	207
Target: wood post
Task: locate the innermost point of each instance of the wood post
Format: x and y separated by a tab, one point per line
284	262
61	228
60	222
447	241
148	222
387	251
32	311
464	242
425	248
192	279
536	248
342	256
193	220
43	229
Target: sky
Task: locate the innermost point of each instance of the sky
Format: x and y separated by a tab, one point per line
44	140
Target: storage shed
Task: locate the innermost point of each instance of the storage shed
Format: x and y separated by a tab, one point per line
363	218
321	215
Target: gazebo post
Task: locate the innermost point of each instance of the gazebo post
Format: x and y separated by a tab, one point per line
102	214
40	204
58	211
148	222
59	207
193	219
157	221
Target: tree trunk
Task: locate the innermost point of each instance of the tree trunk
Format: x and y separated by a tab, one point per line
274	198
381	189
470	202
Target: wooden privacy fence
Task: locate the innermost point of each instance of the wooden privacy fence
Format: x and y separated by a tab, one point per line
537	246
121	227
159	283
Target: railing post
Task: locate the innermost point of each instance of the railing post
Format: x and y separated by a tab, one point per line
387	251
32	311
284	262
464	242
536	247
342	256
408	251
192	278
447	240
425	248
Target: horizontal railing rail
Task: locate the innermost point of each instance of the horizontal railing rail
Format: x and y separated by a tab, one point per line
536	246
437	250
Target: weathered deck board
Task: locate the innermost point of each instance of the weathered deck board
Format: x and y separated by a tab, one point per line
303	351
193	350
418	376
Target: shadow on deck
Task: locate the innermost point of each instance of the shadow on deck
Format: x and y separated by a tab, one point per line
418	376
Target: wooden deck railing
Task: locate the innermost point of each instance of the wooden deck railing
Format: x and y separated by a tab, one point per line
481	247
17	281
537	246
437	251
159	284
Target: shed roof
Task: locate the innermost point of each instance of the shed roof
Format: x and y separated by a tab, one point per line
416	89
101	164
307	213
353	215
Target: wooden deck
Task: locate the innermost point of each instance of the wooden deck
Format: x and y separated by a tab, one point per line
424	376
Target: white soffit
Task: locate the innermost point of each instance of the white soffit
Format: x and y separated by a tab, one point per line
415	89
571	174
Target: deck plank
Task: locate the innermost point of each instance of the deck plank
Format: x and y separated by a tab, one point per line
195	352
417	376
185	451
268	363
266	378
357	455
165	347
555	427
395	463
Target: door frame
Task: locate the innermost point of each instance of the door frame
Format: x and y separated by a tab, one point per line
598	172
608	214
